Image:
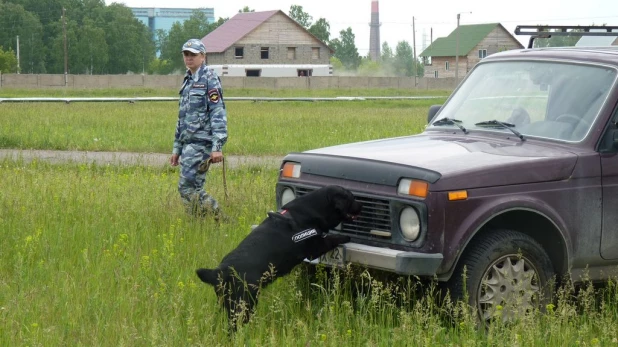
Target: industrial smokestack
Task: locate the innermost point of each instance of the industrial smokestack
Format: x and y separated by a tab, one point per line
374	33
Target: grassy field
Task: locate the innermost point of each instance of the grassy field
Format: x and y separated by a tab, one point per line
105	255
262	128
150	92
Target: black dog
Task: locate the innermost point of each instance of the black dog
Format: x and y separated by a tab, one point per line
282	241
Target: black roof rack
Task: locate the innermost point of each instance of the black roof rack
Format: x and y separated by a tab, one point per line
544	31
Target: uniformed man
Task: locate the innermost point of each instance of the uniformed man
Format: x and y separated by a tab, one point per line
201	130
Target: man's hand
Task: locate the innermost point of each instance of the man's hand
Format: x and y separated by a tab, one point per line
216	157
174	159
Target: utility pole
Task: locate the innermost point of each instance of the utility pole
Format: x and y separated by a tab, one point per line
414	49
457	50
66	58
18	54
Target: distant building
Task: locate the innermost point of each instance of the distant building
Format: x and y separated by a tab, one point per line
598	41
156	18
268	37
476	42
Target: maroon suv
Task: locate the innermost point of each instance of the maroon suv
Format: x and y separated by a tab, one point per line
515	178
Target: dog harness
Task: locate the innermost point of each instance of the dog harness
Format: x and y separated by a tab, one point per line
301	235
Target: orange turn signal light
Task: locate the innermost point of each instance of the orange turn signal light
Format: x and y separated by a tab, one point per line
458	195
419	188
413	187
291	170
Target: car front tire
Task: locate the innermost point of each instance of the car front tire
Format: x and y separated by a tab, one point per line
507	275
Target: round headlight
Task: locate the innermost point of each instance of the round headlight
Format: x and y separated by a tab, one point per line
287	196
409	224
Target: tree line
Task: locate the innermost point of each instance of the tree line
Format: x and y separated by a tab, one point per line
109	39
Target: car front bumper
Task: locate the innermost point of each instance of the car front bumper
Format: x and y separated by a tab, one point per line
400	262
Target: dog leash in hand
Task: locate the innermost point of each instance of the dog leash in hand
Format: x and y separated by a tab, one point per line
205	165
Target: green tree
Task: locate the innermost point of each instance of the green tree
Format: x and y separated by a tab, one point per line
55	62
195	27
558	41
368	67
321	30
87	16
345	49
130	44
403	60
8	61
87	50
337	65
387	53
159	67
245	9
46	11
300	16
16	21
92	53
387	59
160	39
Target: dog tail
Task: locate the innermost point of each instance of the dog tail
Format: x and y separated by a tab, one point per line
209	276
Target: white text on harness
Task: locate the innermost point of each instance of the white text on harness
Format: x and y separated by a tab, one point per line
303	235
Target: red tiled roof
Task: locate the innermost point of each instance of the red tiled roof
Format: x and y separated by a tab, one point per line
234	29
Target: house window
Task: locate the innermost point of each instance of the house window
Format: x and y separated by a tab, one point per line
435	74
315	52
253	73
446	66
482	53
292	53
239	52
264	53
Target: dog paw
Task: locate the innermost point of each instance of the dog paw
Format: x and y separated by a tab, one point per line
339	239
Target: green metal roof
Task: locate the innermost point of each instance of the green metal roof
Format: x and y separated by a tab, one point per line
469	36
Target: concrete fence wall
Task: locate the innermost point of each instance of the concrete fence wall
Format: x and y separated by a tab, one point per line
22	81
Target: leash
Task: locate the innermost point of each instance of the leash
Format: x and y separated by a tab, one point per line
205	166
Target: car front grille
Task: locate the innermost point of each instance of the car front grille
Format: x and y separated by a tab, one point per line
375	216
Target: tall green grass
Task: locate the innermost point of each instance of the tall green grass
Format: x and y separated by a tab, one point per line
105	256
255	128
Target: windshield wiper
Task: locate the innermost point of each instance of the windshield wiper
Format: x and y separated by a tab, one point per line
450	121
498	124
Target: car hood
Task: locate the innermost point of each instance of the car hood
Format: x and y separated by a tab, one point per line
464	161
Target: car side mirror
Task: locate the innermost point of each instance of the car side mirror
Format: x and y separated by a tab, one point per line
433	110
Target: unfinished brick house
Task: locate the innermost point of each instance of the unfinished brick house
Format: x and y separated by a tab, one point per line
269	37
475	43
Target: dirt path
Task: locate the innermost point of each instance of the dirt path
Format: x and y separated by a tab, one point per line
125	158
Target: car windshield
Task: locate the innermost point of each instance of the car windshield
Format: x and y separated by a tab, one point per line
544	99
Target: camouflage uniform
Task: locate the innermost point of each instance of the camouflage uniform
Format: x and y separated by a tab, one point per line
201	129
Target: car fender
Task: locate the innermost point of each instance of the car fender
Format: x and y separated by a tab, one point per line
488	211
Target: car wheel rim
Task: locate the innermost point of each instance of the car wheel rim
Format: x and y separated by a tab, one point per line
509	288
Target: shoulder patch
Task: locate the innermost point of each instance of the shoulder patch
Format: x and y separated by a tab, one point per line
303	235
213	95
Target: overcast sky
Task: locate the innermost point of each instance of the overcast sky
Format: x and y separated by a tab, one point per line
396	15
